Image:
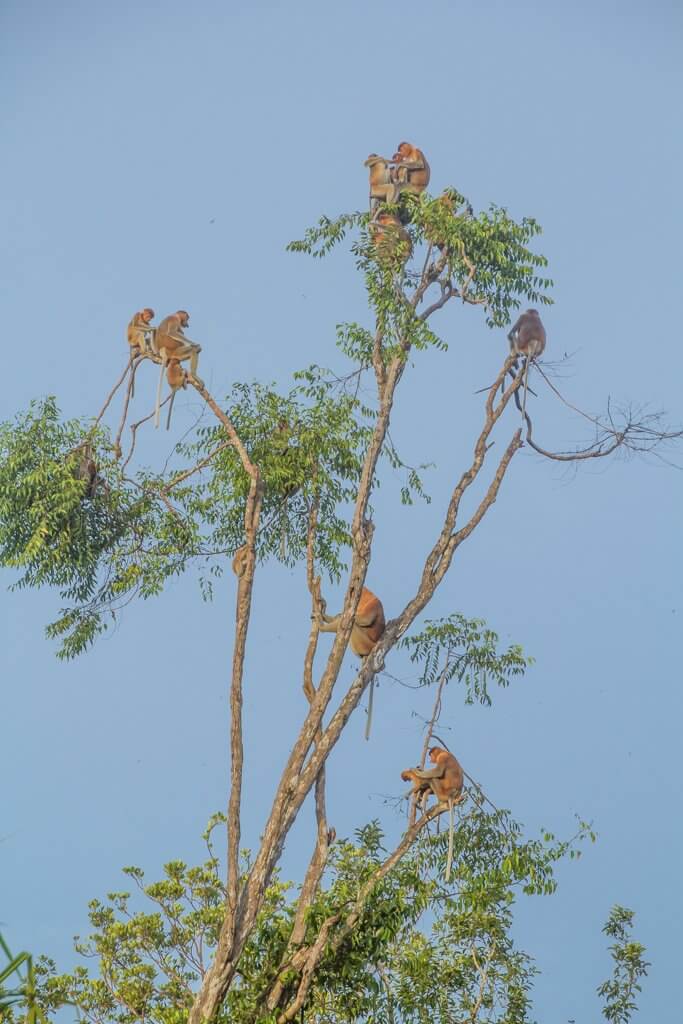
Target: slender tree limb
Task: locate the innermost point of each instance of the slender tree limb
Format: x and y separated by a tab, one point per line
129	391
111	394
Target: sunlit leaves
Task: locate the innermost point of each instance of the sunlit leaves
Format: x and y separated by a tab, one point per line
629	967
466	650
419	949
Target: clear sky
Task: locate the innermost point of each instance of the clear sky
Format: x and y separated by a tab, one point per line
164	154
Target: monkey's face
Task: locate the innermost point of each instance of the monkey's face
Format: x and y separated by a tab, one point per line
147	315
183	317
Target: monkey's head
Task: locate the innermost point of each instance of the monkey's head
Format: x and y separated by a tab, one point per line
183	317
533	312
434	753
147	314
408	775
373	159
404	149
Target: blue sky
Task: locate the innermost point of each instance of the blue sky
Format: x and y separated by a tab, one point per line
164	154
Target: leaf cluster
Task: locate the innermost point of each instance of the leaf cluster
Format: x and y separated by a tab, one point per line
466	650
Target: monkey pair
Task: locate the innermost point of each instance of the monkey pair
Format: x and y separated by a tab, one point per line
168	345
407	171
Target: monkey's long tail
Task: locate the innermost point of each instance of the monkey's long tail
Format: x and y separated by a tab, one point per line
170	409
449	859
368	724
158	405
526	383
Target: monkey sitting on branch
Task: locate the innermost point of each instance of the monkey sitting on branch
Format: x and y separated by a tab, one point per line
172	344
368	623
382	188
411	171
527	338
390	238
141	334
445	781
368	626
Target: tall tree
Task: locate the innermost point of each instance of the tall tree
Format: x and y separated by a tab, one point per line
291	477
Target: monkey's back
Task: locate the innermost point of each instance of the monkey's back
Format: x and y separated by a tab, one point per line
531	337
449	786
168	326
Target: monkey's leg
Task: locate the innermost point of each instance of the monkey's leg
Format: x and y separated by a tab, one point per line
164	358
449	859
194	362
368	723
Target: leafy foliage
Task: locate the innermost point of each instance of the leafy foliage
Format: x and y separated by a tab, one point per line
419	947
18	987
629	966
127	541
466	650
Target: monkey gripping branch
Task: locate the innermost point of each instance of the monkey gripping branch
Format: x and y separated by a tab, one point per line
290	477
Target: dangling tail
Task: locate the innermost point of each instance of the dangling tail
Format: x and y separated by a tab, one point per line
526	384
170	409
449	860
158	405
368	724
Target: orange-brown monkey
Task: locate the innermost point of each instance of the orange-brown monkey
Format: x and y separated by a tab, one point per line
171	343
382	188
368	624
239	561
368	627
445	781
390	238
421	787
411	172
140	333
177	378
171	340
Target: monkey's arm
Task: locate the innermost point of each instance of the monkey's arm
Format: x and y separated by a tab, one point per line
182	338
430	773
329	623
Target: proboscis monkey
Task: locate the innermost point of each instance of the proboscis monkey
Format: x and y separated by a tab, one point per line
368	627
446	782
382	188
141	333
421	787
239	561
368	623
527	338
390	238
177	378
411	172
171	343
